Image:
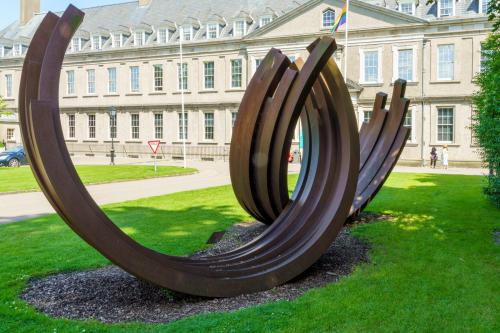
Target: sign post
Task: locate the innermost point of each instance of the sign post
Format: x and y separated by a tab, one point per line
154	145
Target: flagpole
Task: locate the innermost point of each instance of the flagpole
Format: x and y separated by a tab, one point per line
346	44
184	122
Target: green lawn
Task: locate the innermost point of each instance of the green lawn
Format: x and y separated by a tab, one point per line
21	179
434	267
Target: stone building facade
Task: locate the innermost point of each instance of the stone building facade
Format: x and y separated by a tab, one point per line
127	56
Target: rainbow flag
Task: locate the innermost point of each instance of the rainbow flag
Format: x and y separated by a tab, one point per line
340	20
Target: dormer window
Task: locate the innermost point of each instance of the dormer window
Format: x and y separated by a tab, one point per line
2	51
96	42
407	7
117	39
446	8
483	6
140	38
187	32
328	18
18	50
240	28
265	20
163	36
76	44
212	30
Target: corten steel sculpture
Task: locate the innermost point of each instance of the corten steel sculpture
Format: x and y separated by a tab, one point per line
304	226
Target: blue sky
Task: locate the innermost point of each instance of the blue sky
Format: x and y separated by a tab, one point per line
10	12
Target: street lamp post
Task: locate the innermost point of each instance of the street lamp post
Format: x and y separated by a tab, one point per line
112	128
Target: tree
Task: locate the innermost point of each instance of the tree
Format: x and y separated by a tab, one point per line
486	121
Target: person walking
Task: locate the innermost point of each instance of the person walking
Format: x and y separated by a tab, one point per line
434	157
445	157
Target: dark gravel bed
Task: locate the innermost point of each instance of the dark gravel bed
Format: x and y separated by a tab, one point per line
111	295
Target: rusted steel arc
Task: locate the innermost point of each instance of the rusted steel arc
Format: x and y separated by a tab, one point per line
56	174
347	130
368	138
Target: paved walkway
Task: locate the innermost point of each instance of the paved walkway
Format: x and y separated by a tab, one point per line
21	206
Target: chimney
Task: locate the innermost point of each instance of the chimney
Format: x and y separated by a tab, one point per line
28	9
143	3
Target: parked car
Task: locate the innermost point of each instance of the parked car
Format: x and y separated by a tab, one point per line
13	157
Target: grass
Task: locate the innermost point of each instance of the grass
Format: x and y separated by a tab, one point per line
434	267
21	179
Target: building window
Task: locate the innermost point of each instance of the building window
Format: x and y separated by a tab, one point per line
446	8
485	56
183	125
76	44
209	125
236	73
484	5
209	75
367	116
328	18
117	40
257	63
371	66
8	85
158	125
91	133
408	123
187	32
10	134
91	81
212	30
158	77
71	126
446	59
96	42
162	36
407	8
112	126
233	118
182	73
18	49
139	38
70	82
134	79
112	80
240	28
134	125
405	64
265	20
445	124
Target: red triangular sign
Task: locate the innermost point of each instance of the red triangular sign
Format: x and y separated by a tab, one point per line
154	145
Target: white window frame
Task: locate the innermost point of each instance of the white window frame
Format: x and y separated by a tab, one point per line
78	43
71	125
95	47
183	121
413	136
72	91
453	124
133	125
265	17
112	83
438	61
91	80
481	4
205	126
453	10
167	36
323	18
205	75
91	125
244	32
117	40
9	85
413	8
180	73
217	28
159	125
158	88
132	88
11	134
189	29
231	62
142	39
362	52
254	63
113	125
395	61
